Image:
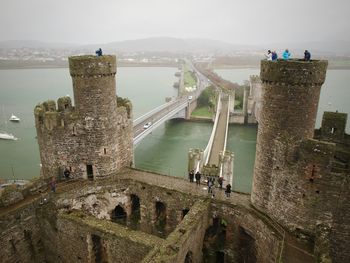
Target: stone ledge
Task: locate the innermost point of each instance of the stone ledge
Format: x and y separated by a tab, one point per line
294	71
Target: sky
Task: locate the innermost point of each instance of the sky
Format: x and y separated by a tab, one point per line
251	22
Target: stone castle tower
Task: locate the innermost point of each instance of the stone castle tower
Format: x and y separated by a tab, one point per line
301	175
94	138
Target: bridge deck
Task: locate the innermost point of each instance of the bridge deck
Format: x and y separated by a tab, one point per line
219	139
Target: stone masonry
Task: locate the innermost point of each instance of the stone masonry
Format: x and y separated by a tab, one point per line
94	138
298	212
301	176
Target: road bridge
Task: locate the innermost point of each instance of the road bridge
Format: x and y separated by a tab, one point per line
215	159
181	107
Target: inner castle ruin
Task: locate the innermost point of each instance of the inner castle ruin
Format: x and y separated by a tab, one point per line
298	210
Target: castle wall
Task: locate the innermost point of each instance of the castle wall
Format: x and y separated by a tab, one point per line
100	201
289	105
87	239
303	189
186	239
94	133
20	236
267	238
254	99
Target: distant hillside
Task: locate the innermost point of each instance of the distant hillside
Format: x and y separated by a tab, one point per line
34	44
168	44
178	45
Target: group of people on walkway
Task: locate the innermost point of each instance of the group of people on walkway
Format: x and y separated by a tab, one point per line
286	55
211	182
196	176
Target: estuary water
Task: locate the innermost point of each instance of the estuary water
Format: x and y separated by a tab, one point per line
165	150
21	90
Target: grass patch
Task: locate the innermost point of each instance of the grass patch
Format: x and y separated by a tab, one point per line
190	78
202	112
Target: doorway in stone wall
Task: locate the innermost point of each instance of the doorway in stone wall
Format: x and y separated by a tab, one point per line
160	218
246	249
89	172
189	257
214	242
135	216
98	250
119	215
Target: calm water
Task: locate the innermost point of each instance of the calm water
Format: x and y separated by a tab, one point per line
165	150
21	90
335	92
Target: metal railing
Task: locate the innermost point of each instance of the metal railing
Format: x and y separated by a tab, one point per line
206	153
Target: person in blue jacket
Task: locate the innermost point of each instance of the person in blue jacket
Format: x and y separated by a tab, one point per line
307	55
274	55
286	54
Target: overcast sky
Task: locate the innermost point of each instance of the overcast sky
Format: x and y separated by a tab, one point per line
234	21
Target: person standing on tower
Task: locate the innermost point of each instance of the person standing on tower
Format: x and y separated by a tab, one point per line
98	52
274	55
307	55
286	55
268	55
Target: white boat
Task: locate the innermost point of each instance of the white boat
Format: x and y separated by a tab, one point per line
14	118
7	136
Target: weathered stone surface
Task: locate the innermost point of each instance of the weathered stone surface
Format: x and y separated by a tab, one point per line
93	137
301	184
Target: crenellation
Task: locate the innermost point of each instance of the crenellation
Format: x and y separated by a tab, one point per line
300	174
299	208
94	137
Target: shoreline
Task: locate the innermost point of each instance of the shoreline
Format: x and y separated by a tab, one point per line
140	65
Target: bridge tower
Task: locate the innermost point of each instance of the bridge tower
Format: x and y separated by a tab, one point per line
290	95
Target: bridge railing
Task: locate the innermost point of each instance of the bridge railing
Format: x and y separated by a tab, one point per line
226	131
168	115
206	153
153	111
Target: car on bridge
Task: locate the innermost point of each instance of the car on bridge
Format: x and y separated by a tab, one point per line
147	125
190	97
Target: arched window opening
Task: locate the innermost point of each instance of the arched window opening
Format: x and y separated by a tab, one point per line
118	215
160	216
135	211
99	250
246	247
189	257
214	242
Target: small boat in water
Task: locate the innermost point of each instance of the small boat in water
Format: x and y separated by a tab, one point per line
7	136
14	118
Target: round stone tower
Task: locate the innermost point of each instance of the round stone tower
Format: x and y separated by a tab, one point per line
94	85
94	88
290	95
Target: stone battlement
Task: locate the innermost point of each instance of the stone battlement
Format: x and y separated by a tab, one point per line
93	138
92	66
294	71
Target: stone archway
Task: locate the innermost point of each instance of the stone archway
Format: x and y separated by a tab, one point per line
246	249
189	257
119	215
135	215
214	242
160	217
